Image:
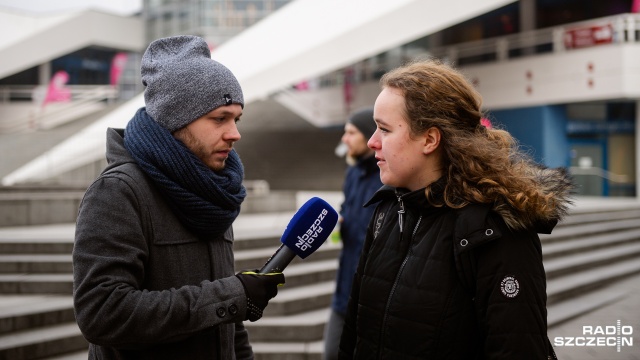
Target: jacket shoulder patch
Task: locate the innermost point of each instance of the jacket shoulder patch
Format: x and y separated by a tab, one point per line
510	287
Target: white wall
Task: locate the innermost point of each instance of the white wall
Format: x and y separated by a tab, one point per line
597	73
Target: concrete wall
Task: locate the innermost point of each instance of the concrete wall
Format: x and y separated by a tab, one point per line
591	74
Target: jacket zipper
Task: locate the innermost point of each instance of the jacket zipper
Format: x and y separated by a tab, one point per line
395	282
400	213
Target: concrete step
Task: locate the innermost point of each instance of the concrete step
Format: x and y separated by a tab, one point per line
36	246
42	342
580	305
37	241
576	218
256	243
301	299
36	284
24	312
586	243
302	327
256	258
288	350
78	355
57	246
299	273
60	263
596	205
35	263
310	272
590	229
573	285
590	258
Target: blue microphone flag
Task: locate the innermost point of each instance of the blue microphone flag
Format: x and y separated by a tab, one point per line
310	227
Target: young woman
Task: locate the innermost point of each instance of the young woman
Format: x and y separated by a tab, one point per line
452	264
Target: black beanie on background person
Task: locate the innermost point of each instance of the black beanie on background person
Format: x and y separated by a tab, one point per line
363	120
183	83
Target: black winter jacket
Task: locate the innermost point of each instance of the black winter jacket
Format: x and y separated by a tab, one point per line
439	283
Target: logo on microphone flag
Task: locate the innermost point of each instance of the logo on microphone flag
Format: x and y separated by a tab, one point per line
310	227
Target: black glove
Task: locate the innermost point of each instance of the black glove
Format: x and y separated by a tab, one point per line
260	288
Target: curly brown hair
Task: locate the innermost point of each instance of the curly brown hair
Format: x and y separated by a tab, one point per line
481	165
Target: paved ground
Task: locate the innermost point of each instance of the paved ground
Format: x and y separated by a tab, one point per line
604	320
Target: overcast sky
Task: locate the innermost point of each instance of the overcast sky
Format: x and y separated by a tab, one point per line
122	7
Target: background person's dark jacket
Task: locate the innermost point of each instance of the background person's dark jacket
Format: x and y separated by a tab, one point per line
409	300
361	182
144	286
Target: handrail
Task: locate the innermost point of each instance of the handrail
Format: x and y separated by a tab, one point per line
43	117
32	92
600	172
623	27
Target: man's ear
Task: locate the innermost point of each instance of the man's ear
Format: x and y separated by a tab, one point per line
431	140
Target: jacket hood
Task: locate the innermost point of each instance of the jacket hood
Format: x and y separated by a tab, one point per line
556	186
116	154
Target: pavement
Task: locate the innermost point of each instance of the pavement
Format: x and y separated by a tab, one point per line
594	336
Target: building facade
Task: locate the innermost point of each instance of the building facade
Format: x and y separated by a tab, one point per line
215	20
560	75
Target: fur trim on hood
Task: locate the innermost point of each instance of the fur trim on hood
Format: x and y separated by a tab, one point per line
555	187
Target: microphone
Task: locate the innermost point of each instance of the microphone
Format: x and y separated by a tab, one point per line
309	227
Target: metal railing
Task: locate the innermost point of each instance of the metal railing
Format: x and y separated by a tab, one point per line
600	172
83	99
624	28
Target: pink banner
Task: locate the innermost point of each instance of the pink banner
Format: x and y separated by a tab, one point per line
57	92
117	66
348	88
635	7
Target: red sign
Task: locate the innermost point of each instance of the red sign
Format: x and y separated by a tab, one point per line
588	36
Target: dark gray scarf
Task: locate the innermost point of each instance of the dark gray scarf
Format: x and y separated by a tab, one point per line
206	202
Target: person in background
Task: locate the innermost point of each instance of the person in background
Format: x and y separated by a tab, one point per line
153	259
362	180
452	264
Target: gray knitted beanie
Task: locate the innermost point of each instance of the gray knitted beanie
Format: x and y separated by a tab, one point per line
184	83
363	120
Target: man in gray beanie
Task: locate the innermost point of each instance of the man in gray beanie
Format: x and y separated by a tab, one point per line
153	257
183	83
362	180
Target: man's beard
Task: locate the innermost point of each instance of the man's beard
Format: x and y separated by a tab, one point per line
197	148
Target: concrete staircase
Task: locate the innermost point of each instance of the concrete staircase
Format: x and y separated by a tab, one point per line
592	249
595	246
36	309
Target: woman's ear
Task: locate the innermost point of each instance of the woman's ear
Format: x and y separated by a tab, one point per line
431	140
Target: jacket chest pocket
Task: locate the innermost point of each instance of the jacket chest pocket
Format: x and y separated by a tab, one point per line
185	246
178	257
